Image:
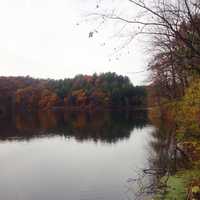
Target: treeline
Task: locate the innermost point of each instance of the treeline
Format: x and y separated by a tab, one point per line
107	90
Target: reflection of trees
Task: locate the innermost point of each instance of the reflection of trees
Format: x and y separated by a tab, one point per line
104	126
97	126
164	160
168	158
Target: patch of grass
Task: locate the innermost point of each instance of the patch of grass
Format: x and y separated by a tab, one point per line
177	185
175	189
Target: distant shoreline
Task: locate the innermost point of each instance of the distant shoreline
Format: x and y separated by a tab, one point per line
99	108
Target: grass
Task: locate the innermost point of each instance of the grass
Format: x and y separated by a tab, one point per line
178	185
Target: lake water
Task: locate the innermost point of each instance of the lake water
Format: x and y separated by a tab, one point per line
76	156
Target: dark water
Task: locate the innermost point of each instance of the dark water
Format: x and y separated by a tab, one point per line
74	156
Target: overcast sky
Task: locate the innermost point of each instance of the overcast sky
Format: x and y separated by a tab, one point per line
41	38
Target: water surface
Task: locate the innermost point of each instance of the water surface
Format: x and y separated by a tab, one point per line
76	156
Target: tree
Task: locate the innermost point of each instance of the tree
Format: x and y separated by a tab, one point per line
168	22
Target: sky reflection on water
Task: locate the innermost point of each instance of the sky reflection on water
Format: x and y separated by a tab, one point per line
64	165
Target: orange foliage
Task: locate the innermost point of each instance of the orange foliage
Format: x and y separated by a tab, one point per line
34	98
48	100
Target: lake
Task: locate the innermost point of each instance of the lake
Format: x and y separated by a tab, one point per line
74	156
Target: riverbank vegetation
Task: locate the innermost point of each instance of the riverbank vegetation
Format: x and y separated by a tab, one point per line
174	90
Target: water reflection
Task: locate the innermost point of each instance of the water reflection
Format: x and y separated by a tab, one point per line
75	156
165	158
62	147
107	127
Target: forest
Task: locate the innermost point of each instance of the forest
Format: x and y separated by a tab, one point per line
106	90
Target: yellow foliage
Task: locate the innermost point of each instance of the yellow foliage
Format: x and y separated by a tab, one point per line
188	112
